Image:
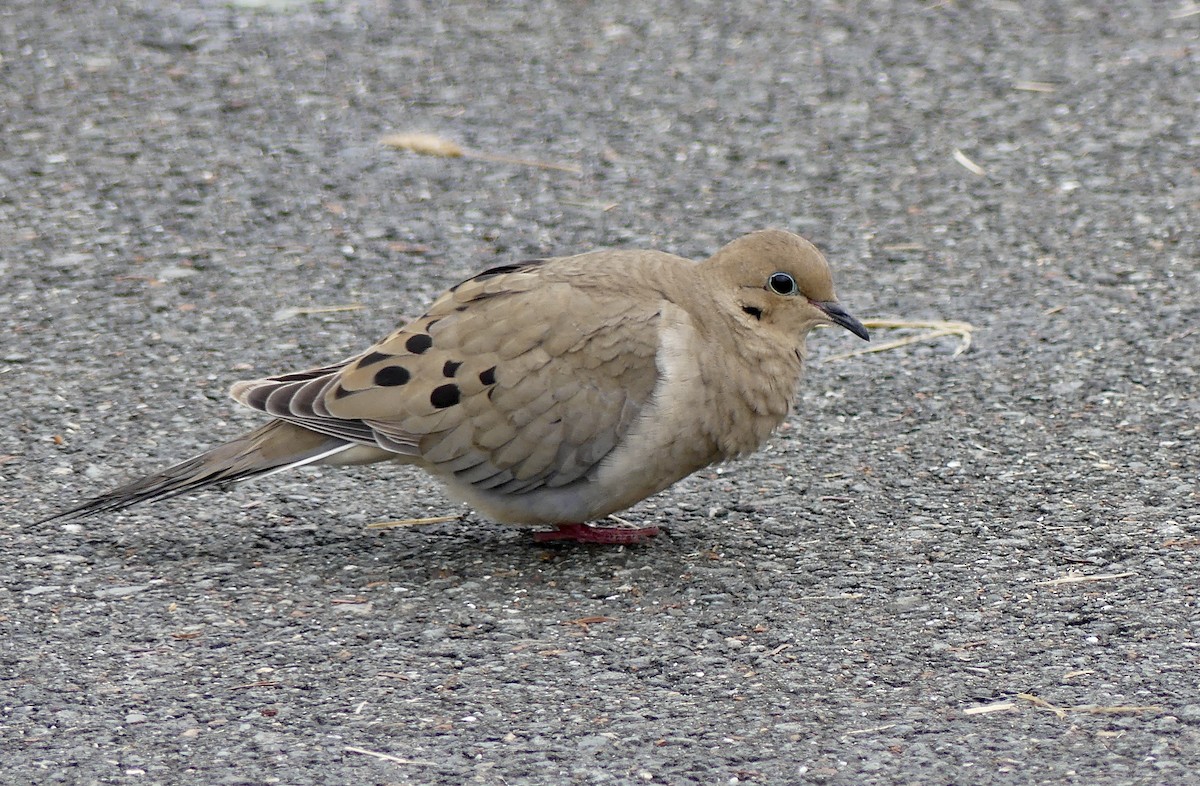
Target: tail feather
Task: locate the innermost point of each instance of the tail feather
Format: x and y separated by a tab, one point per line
272	448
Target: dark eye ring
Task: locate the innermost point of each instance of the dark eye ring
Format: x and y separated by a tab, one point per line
782	284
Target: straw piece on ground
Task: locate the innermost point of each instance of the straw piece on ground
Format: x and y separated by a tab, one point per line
1034	87
284	314
425	144
1090	709
871	730
984	709
937	329
967	163
387	756
431	145
411	522
1079	578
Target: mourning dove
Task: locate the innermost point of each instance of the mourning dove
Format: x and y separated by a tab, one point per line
551	392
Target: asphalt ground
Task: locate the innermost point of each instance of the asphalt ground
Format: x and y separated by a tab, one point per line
979	568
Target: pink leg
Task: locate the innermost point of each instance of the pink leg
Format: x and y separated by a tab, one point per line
586	533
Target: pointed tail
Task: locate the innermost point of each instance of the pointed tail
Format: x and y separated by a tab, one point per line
274	447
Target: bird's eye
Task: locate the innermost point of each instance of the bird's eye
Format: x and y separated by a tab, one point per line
782	284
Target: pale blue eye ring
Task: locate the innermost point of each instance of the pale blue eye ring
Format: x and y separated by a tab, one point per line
782	284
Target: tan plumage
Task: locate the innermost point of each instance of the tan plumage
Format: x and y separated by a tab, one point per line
552	391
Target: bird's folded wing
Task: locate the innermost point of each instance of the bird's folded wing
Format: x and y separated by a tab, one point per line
506	388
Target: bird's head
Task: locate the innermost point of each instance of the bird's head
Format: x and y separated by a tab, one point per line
779	281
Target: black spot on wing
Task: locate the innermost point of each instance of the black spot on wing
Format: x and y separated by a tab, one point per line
451	368
392	376
419	343
445	396
369	359
488	376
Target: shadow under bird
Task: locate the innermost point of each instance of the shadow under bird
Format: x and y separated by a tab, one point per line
552	392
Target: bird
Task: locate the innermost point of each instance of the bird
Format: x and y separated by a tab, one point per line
556	391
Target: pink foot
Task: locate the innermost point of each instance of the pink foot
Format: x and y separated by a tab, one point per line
586	533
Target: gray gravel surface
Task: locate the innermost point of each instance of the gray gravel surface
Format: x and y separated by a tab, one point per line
869	600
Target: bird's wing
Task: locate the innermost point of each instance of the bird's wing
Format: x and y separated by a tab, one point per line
520	378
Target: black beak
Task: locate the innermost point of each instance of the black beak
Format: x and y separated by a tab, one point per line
840	316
